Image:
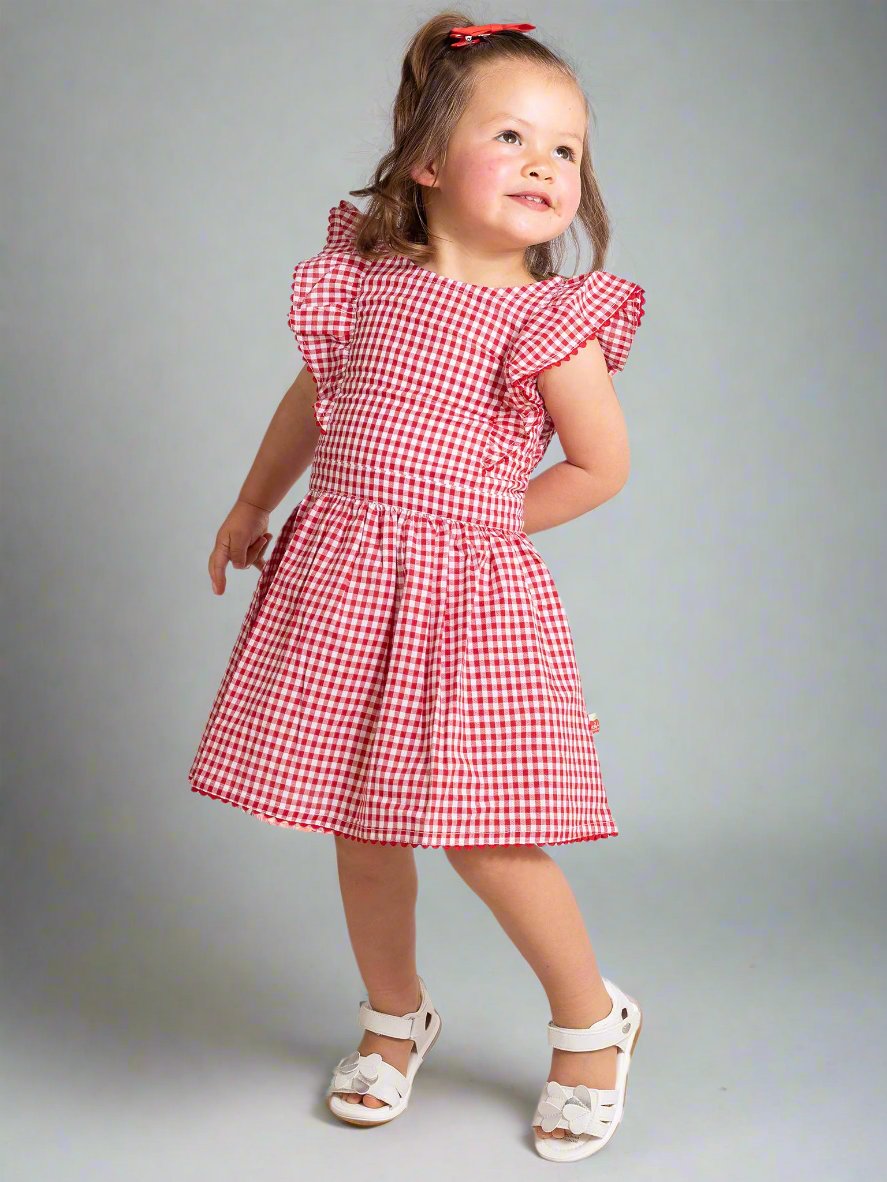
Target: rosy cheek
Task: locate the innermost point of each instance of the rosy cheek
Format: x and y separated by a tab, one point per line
480	174
493	171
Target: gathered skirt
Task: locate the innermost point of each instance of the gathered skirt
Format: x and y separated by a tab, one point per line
405	677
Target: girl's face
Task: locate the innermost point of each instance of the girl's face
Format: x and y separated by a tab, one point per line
522	131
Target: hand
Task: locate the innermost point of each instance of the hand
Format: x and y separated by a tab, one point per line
241	540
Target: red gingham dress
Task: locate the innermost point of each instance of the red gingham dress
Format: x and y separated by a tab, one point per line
405	672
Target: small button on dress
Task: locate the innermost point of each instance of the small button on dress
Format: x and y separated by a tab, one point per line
405	672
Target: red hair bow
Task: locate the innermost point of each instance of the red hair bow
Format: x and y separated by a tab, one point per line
470	34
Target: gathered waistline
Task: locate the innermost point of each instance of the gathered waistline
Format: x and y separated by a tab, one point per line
400	491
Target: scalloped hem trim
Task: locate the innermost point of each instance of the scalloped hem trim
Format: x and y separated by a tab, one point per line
637	292
272	820
567	356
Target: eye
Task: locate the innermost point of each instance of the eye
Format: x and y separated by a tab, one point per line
566	147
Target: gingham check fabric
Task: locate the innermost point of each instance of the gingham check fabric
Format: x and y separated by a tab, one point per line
405	671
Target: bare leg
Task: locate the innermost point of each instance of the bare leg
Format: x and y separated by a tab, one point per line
379	888
527	892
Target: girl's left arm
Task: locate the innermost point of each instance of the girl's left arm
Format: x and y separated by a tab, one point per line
287	448
583	405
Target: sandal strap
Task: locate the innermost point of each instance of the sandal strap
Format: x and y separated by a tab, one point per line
606	1033
369	1075
419	1026
392	1025
614	1030
587	1113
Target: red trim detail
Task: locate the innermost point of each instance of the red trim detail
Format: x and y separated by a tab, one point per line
555	364
636	292
370	841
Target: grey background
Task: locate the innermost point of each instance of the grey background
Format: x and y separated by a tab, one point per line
178	981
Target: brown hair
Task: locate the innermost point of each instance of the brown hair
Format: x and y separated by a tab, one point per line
436	85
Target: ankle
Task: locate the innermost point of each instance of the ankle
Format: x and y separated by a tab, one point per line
397	1001
580	1012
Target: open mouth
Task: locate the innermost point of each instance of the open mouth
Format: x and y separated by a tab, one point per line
536	201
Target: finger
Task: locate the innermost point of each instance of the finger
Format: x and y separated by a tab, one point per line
217	563
238	551
259	549
260	562
255	550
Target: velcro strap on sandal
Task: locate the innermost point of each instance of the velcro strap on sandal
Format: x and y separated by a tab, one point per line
574	1112
390	1089
392	1025
388	1085
597	1127
609	1032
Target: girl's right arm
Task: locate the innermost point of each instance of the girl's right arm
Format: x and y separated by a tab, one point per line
285	453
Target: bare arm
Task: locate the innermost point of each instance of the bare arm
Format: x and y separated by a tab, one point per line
285	452
287	447
582	402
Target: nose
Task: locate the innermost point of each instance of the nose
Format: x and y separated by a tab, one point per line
541	169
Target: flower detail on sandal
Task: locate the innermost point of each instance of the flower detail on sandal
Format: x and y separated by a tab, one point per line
357	1072
576	1105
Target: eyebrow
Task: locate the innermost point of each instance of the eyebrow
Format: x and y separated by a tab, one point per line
517	119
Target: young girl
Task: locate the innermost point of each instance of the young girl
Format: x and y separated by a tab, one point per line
405	674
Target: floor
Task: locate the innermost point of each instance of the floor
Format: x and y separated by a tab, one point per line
142	1040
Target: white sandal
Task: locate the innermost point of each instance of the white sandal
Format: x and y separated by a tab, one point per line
371	1075
590	1114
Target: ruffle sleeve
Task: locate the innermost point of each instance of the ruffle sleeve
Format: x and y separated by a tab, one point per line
596	304
324	289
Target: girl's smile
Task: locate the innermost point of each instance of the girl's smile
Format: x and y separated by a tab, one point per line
541	203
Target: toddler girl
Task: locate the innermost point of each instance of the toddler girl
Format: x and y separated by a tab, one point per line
405	674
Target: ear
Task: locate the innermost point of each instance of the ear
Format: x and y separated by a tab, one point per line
426	176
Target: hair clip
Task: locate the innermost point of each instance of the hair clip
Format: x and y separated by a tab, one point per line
471	34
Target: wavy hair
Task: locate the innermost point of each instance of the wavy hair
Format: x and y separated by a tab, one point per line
436	85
